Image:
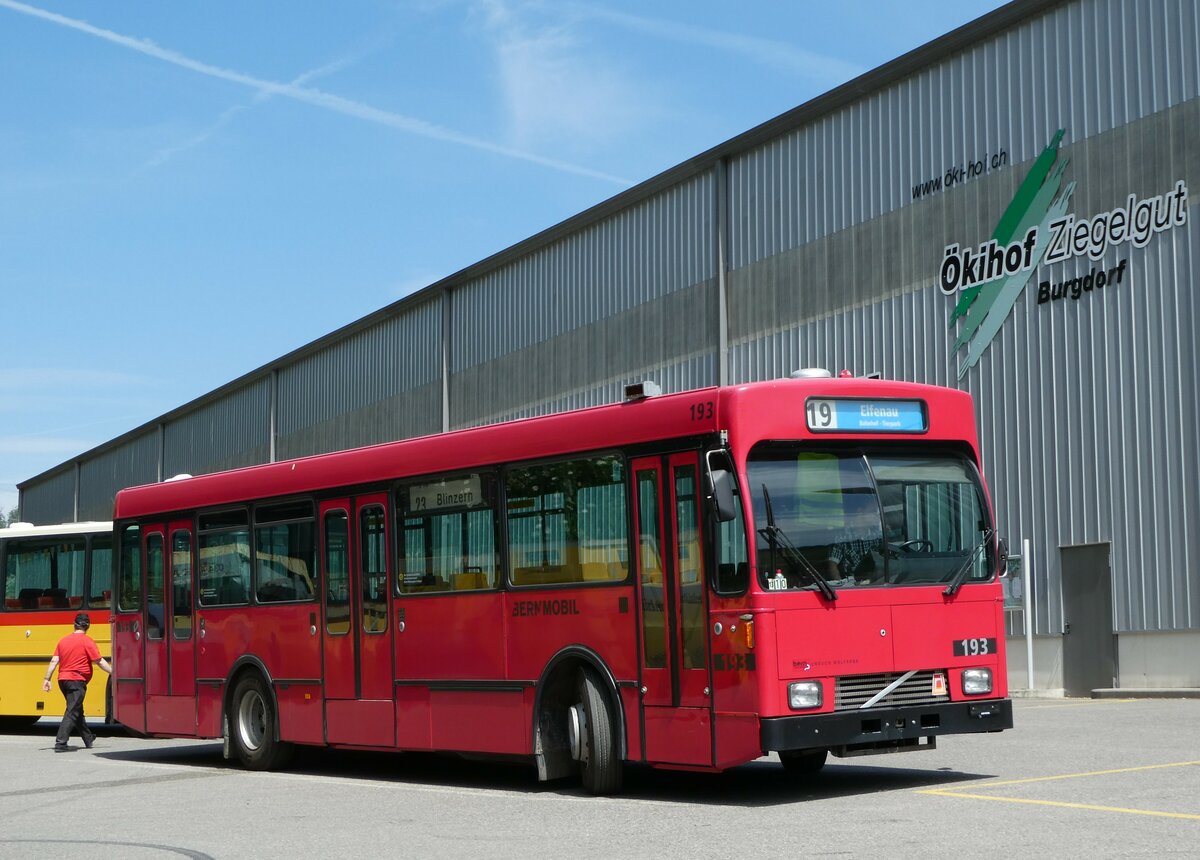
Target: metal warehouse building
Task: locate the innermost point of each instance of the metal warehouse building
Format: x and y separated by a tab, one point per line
1005	210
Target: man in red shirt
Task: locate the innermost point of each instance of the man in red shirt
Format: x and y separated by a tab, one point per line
74	656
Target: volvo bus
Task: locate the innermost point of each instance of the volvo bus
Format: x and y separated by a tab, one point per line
804	567
50	574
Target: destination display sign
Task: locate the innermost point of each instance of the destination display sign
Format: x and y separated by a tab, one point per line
457	493
844	415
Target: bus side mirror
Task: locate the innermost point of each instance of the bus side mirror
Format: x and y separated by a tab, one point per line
720	490
1002	553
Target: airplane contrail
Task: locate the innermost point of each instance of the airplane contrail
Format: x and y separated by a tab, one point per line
311	96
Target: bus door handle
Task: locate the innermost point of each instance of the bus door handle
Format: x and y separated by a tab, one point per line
1067	629
201	628
312	624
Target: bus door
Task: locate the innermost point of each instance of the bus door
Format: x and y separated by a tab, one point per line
167	625
676	704
358	674
129	675
154	608
181	642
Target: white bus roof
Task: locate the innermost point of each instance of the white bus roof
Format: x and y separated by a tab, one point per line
30	530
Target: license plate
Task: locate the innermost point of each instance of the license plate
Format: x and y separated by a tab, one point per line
980	647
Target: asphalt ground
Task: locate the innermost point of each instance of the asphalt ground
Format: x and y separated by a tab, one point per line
1075	778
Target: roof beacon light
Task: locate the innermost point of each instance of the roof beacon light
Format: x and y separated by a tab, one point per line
846	374
642	390
811	373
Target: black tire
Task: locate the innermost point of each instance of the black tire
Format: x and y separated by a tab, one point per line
252	726
17	724
804	762
600	764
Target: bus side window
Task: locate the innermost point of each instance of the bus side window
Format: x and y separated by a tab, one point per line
285	552
372	553
337	572
181	584
224	545
650	571
567	522
100	582
448	534
129	587
732	556
67	590
45	573
689	559
27	574
155	564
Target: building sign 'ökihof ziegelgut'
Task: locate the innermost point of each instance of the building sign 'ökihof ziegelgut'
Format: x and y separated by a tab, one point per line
1038	227
1137	221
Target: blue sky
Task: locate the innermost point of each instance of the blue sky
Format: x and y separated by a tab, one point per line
190	189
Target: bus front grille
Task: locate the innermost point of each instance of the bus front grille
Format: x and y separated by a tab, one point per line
854	691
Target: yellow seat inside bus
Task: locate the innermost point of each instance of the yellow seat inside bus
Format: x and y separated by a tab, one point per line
549	575
429	583
600	571
470	581
588	571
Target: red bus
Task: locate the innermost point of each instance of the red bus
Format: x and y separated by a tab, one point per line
50	573
806	566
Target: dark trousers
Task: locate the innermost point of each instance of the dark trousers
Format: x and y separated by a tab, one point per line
73	692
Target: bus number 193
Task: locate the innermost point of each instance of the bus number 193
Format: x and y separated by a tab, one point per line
980	647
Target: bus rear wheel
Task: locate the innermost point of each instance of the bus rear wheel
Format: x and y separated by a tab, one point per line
803	762
252	726
600	763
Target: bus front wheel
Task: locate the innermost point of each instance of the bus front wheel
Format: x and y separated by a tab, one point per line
600	763
252	726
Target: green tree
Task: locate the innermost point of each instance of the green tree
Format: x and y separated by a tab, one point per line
11	517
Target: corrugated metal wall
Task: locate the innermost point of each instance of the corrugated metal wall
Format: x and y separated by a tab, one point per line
835	231
376	385
52	500
624	298
1088	408
231	432
1087	67
136	461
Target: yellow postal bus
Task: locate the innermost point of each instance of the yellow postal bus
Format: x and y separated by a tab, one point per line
50	573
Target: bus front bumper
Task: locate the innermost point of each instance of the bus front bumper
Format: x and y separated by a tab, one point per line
885	729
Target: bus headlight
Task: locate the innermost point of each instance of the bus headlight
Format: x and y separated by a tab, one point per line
976	681
805	694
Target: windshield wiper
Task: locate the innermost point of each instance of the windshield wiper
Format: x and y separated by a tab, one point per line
779	541
961	575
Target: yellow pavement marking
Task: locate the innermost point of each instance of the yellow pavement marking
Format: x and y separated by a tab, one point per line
1087	773
1059	803
949	792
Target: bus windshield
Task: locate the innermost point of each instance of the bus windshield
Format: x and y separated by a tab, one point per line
863	518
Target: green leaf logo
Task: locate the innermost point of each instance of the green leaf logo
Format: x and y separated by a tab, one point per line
983	309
